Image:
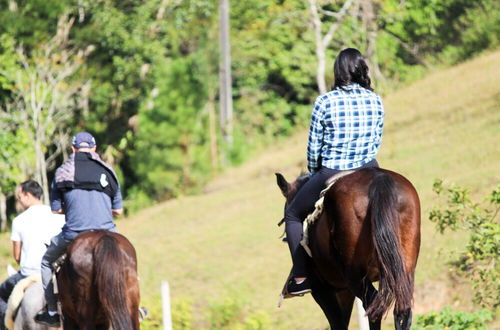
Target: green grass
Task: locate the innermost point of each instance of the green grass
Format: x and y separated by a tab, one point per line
225	244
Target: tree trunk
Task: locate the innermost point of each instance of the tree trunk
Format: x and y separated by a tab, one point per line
370	25
41	168
320	47
214	154
226	97
3	212
186	157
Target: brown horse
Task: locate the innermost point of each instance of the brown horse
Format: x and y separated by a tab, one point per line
369	231
98	283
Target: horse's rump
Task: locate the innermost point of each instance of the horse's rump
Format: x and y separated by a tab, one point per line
385	246
99	281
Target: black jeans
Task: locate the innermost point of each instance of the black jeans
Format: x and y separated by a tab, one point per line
300	207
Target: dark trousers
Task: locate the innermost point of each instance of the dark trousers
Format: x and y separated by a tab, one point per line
57	248
300	207
5	290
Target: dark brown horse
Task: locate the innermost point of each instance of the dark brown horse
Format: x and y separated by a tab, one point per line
369	231
98	283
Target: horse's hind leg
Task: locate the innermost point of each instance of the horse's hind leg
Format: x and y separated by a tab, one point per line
69	323
367	292
402	319
337	306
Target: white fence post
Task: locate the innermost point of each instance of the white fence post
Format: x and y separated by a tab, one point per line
362	319
165	298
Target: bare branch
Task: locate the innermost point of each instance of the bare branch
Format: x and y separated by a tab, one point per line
341	16
328	12
413	50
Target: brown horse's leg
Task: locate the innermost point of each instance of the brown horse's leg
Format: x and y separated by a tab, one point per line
134	316
133	301
345	299
87	312
69	323
402	319
366	292
337	306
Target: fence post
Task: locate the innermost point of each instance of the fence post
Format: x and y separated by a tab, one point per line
165	298
362	319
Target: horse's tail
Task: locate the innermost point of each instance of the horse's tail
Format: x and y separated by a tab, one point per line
111	281
395	284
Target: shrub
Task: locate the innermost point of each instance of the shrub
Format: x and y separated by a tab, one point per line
226	313
453	320
479	263
182	315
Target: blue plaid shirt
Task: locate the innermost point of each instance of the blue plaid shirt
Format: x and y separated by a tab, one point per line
346	129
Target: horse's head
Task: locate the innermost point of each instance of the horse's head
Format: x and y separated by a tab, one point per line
289	190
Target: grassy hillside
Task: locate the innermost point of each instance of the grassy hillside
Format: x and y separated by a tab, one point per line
224	245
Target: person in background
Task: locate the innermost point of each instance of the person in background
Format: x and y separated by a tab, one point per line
30	236
86	190
345	134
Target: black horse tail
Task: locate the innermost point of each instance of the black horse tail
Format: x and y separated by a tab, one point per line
395	284
110	282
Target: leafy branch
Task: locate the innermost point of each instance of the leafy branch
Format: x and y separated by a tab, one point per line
479	263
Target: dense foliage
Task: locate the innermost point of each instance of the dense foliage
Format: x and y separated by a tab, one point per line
480	260
147	79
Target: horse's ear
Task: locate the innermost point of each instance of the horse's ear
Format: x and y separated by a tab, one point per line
282	183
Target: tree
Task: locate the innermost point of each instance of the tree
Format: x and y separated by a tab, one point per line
369	18
323	41
170	154
44	95
16	162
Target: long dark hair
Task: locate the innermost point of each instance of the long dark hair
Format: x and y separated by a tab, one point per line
350	67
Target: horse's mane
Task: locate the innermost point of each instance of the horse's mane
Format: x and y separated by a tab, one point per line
297	184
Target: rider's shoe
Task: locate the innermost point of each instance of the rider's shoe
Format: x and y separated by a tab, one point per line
143	313
298	289
45	318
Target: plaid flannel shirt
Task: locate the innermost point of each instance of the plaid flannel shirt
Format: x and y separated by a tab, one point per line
346	129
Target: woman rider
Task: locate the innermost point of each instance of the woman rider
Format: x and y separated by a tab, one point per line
345	134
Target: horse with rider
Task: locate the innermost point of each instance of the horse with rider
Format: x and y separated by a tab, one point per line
366	226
